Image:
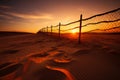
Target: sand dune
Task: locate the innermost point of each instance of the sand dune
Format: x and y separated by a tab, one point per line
42	57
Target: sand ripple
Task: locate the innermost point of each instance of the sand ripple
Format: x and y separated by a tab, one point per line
68	75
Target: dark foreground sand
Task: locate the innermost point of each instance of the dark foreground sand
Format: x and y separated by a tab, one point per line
42	57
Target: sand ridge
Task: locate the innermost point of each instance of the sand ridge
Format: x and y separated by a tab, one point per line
42	57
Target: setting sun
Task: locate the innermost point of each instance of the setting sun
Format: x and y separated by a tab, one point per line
74	31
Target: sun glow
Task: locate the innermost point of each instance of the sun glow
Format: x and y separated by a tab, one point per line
74	31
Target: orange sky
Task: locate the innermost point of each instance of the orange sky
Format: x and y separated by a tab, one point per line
32	15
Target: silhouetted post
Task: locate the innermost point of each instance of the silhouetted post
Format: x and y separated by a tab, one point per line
79	38
59	29
40	30
43	30
51	30
47	29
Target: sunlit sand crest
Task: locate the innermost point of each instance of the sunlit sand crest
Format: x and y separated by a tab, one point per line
65	71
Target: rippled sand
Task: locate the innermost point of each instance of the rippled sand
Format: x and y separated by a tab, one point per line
42	57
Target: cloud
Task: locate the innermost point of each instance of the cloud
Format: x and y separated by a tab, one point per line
5	7
5	16
29	16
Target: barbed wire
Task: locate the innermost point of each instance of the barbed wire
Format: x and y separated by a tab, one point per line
107	15
104	29
101	14
70	23
101	22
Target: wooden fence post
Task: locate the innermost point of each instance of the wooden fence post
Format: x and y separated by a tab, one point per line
42	30
79	38
47	29
51	29
59	29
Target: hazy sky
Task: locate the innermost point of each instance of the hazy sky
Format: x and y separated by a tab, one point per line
31	15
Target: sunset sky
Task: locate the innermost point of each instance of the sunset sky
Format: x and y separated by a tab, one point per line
32	15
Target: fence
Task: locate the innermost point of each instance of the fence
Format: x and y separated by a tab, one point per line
108	22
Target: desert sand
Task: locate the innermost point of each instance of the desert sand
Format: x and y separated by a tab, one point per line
45	57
